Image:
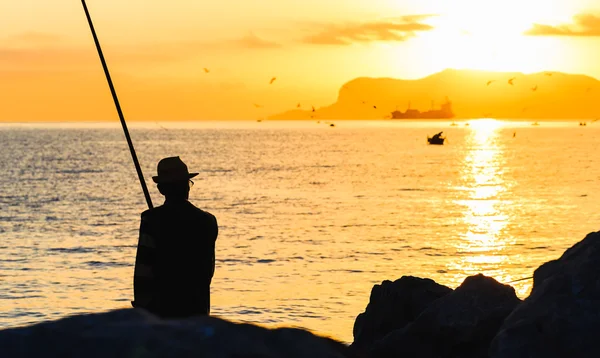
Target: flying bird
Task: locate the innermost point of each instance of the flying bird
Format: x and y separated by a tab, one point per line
272	80
534	88
375	107
258	105
510	81
490	82
298	105
206	70
588	89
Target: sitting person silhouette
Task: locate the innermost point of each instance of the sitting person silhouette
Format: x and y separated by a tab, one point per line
175	259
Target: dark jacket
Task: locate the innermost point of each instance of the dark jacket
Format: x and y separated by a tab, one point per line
175	260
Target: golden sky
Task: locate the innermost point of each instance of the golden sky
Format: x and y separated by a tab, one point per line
157	50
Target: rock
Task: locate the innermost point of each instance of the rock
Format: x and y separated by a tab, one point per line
392	306
135	333
459	324
561	317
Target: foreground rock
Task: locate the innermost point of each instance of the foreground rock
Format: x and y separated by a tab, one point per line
561	317
392	306
134	333
461	323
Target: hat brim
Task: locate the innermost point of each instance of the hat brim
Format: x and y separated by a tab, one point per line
158	179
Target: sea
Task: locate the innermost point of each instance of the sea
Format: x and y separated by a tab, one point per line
310	215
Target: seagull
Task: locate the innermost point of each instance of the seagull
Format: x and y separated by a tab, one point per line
258	105
490	82
206	70
272	80
534	88
298	105
510	81
375	107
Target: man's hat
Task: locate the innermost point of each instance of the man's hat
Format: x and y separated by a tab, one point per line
172	169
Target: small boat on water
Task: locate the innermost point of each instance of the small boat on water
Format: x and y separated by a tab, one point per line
453	124
437	139
535	124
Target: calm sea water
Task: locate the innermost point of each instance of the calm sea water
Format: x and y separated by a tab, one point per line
311	216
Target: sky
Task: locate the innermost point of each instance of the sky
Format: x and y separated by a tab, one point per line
157	51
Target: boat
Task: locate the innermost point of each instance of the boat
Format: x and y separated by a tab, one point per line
444	112
535	124
582	124
437	139
453	124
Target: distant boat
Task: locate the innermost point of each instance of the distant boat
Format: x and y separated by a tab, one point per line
453	124
582	124
535	124
437	139
332	125
444	112
467	124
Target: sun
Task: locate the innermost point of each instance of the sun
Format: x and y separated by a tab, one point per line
492	19
489	35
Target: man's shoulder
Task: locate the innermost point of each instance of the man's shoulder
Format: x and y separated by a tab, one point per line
150	213
202	213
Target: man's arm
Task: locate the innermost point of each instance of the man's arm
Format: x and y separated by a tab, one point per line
215	235
144	278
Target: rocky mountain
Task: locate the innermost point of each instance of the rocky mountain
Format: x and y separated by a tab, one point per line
474	94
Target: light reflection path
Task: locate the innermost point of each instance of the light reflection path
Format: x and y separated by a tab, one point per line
485	245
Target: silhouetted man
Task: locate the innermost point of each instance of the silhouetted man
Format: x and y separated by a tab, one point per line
175	259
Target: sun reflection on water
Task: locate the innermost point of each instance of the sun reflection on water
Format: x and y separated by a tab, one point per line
484	244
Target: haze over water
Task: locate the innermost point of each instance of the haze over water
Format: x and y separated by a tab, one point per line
311	217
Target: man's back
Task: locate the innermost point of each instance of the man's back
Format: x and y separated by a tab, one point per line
175	260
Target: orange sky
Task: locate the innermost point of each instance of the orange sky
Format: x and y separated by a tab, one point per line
157	50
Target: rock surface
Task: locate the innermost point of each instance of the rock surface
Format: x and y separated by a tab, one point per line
561	317
134	333
392	306
459	324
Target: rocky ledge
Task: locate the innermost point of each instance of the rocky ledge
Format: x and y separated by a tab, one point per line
415	317
410	317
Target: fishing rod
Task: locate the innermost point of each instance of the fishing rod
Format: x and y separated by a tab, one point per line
521	279
119	111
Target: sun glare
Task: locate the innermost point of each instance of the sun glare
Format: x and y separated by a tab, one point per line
484	127
489	35
484	245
